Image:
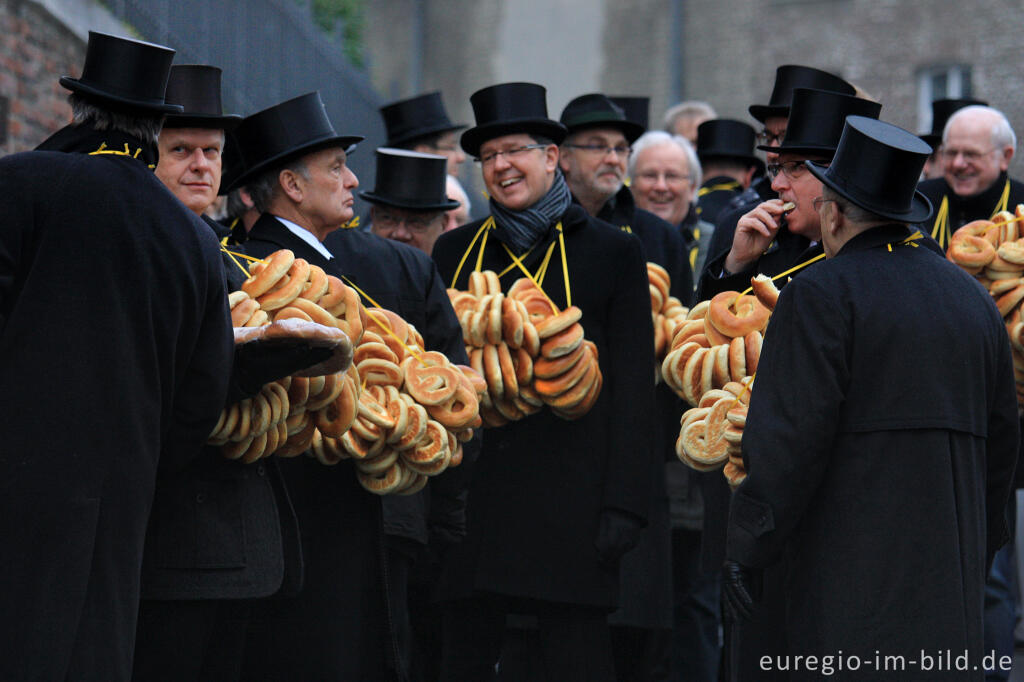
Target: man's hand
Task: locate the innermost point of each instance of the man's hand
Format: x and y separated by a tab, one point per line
754	233
738	588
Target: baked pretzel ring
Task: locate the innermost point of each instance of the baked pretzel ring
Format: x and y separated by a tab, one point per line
398	410
657	298
266	277
335	294
350	314
971	246
243	311
531	339
295	443
290	312
1012	251
1010	300
685	330
737	359
338	416
258	319
475	381
492	282
430	448
415	430
492	372
712	336
511	323
575	394
430	379
559	323
523	364
735	314
508	370
477	284
752	343
493	321
317	285
392	329
383	483
333	384
373	349
461	301
235	449
417	484
588	400
459	412
316	314
720	368
376	371
323	454
734	475
551	388
562	343
765	291
550	368
371	409
288	290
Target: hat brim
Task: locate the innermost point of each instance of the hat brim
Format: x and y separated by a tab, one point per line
117	101
347	141
423	132
473	138
798	149
920	207
381	200
762	112
713	154
212	121
629	129
931	140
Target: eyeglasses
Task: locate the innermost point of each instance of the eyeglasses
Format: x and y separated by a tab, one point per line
770	138
488	158
792	169
819	202
389	221
970	156
652	177
603	150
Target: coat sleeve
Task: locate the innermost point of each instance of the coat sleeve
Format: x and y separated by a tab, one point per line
629	380
1001	450
203	382
794	408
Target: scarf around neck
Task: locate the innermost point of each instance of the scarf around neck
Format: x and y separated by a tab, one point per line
523	229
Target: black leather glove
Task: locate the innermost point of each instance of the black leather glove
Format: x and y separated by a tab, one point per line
740	590
617	533
259	363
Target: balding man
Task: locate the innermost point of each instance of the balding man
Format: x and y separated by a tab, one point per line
977	146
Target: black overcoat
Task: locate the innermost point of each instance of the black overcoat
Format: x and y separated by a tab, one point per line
540	484
963	210
338	626
880	446
714	196
114	339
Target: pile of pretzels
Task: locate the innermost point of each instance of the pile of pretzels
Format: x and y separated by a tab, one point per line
711	433
529	353
710	364
667	311
993	251
399	412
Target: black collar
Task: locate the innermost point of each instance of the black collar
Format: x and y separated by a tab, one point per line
84	139
874	237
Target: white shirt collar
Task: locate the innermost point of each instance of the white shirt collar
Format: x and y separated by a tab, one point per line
306	236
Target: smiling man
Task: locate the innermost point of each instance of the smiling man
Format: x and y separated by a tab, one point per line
977	147
549	545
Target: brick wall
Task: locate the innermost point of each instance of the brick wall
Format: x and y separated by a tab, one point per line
35	51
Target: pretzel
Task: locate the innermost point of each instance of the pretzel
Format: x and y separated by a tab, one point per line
430	379
415	430
765	291
559	322
511	323
332	387
243	311
338	416
562	343
972	245
733	314
289	288
429	449
298	442
317	285
268	274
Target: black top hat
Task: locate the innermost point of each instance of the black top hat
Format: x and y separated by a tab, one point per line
877	166
410	180
293	128
816	121
636	109
942	109
724	137
124	74
410	119
509	108
597	111
197	88
791	76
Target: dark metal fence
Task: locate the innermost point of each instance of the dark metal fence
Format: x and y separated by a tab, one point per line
270	51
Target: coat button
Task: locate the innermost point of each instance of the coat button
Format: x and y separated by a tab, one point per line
261	470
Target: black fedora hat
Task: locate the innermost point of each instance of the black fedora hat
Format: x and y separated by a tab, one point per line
293	128
509	108
726	138
410	119
636	109
597	111
196	87
816	121
942	109
124	74
791	76
411	180
877	166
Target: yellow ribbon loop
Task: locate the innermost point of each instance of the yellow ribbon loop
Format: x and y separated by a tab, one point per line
565	266
746	389
723	186
488	224
231	255
941	231
383	322
351	224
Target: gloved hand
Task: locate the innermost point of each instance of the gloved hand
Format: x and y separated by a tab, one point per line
617	533
740	590
259	363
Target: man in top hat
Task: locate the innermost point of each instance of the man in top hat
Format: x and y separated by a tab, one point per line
421	124
408	203
218	527
942	109
593	157
635	108
882	512
116	347
977	147
348	621
726	151
774	118
554	504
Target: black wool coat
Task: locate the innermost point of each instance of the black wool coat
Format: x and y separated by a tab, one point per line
880	446
963	210
541	483
115	351
714	196
221	529
337	627
646	585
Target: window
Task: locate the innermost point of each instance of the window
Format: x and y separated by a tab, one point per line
947	81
